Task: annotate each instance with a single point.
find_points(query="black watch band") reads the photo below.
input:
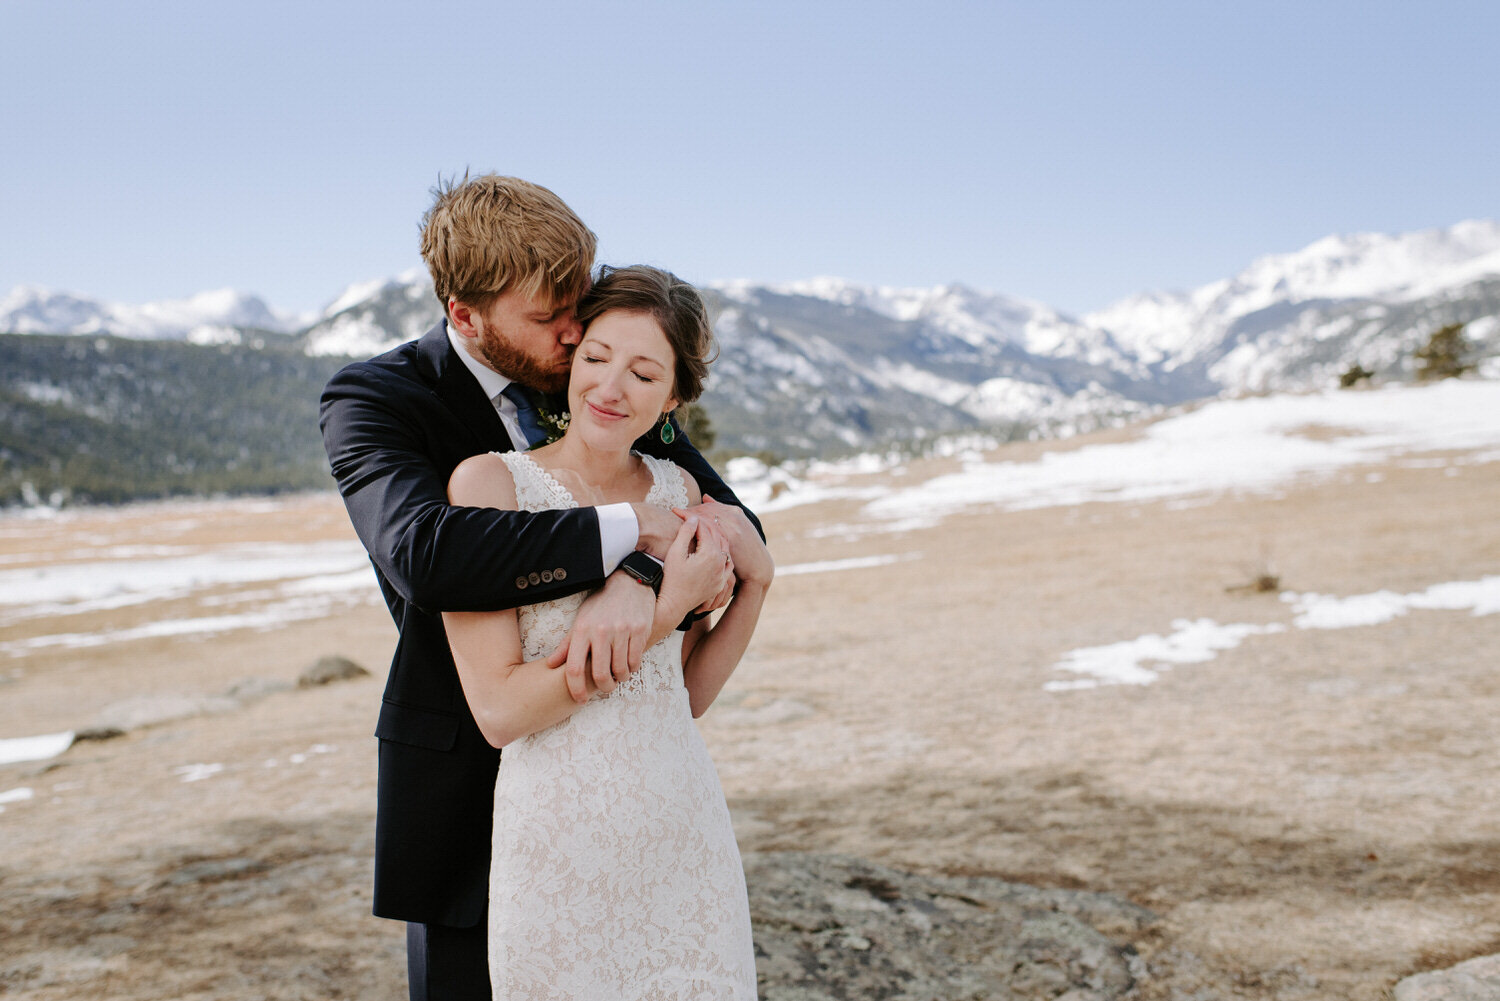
(645, 568)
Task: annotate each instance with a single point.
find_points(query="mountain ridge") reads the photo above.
(826, 363)
(210, 317)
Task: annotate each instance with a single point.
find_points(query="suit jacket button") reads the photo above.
(559, 574)
(546, 576)
(534, 577)
(521, 583)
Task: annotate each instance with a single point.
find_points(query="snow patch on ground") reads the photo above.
(1322, 611)
(48, 745)
(306, 581)
(1245, 445)
(853, 563)
(19, 795)
(73, 587)
(1196, 641)
(1193, 641)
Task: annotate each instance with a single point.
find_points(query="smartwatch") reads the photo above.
(645, 568)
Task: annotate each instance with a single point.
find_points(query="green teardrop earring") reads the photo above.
(667, 434)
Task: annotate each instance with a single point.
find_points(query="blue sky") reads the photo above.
(1064, 151)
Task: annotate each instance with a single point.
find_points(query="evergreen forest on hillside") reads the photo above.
(105, 420)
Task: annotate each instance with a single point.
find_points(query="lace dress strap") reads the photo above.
(668, 488)
(539, 490)
(536, 489)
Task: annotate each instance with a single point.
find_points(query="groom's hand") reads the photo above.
(609, 635)
(657, 526)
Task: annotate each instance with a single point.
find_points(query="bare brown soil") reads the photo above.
(1313, 812)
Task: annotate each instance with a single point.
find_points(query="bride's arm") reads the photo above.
(710, 654)
(509, 696)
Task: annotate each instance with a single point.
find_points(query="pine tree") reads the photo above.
(1355, 374)
(694, 420)
(1442, 357)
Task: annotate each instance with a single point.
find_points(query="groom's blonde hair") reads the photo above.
(487, 235)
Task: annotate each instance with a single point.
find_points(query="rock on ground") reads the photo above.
(153, 710)
(1473, 980)
(833, 927)
(330, 669)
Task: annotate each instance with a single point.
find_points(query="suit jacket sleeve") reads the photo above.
(392, 468)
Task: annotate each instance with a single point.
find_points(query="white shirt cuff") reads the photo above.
(618, 534)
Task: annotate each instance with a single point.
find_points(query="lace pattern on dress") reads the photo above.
(545, 625)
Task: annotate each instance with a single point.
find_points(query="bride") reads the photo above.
(614, 872)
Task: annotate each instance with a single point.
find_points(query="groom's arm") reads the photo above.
(437, 556)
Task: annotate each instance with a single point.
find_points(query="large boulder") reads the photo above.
(1473, 980)
(833, 927)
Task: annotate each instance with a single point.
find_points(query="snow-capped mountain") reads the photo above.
(973, 316)
(1173, 329)
(1287, 322)
(808, 364)
(218, 316)
(828, 363)
(370, 317)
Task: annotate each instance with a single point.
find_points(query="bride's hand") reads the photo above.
(698, 565)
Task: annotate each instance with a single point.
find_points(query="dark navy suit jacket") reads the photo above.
(394, 428)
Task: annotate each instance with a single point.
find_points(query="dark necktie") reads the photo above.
(527, 414)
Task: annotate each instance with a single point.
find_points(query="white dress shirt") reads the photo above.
(618, 530)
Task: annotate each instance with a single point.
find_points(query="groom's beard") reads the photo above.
(518, 366)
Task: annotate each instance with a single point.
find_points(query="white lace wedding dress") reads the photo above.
(614, 874)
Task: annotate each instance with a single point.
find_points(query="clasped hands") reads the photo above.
(708, 550)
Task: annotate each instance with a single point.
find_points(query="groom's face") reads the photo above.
(529, 340)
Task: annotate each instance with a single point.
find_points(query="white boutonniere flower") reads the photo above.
(554, 422)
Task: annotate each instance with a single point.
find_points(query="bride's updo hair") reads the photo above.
(675, 306)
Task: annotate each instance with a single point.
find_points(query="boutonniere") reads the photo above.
(553, 422)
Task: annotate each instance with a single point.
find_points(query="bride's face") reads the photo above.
(622, 379)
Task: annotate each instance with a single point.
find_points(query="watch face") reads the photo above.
(642, 567)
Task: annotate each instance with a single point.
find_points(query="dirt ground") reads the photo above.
(1313, 812)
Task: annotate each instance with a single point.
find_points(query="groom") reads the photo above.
(508, 261)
